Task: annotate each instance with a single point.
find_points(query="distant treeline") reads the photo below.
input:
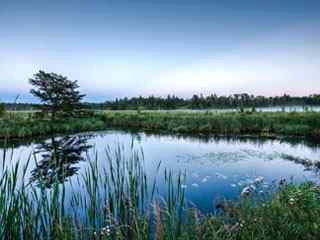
(211, 101)
(195, 102)
(21, 106)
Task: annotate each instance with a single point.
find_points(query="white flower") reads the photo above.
(258, 180)
(247, 191)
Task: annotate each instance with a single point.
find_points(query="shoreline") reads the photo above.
(301, 126)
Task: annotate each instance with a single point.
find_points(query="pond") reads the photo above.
(215, 168)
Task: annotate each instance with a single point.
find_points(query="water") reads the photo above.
(216, 168)
(258, 109)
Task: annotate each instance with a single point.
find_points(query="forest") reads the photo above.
(212, 101)
(201, 101)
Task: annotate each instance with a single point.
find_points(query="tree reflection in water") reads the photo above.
(59, 156)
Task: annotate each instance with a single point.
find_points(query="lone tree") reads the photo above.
(58, 94)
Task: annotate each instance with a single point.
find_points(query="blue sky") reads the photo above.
(128, 48)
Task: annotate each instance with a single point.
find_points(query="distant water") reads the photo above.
(258, 109)
(216, 168)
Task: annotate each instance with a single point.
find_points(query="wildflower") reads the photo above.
(247, 191)
(105, 231)
(242, 222)
(292, 201)
(258, 180)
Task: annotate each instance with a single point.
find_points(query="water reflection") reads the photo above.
(216, 167)
(58, 158)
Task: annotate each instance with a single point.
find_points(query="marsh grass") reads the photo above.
(272, 124)
(19, 126)
(117, 201)
(261, 124)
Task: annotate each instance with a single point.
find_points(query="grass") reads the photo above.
(24, 125)
(305, 124)
(116, 201)
(267, 125)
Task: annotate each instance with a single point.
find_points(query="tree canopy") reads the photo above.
(58, 94)
(243, 100)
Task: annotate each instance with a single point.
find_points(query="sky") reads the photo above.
(118, 48)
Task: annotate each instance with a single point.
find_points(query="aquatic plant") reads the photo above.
(117, 201)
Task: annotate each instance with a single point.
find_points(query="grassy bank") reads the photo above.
(304, 124)
(116, 202)
(26, 125)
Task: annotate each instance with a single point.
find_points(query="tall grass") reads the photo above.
(263, 124)
(271, 124)
(26, 125)
(115, 200)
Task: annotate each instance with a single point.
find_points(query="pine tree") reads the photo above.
(59, 95)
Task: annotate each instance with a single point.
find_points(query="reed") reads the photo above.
(117, 200)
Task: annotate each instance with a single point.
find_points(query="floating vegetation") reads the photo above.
(213, 157)
(204, 180)
(219, 175)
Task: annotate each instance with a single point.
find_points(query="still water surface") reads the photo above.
(295, 108)
(216, 168)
